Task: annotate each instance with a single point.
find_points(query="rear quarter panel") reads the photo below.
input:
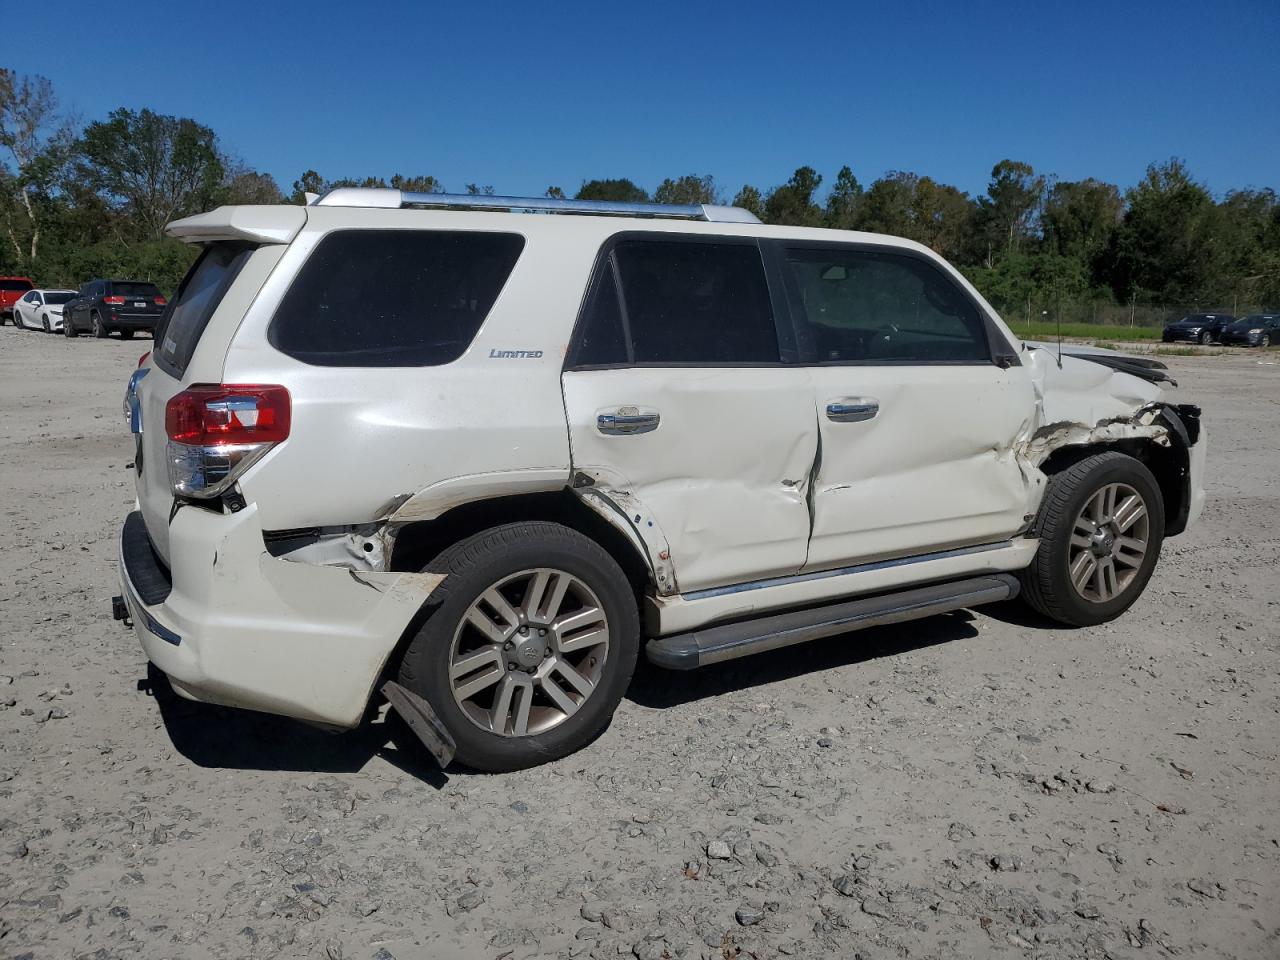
(365, 439)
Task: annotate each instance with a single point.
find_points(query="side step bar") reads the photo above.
(687, 651)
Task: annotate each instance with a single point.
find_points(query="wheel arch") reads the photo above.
(1169, 461)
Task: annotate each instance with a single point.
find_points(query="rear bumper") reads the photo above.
(134, 321)
(241, 628)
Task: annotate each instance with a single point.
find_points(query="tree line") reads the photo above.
(86, 200)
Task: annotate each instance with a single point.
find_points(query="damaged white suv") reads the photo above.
(470, 454)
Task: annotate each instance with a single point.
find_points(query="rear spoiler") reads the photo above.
(278, 223)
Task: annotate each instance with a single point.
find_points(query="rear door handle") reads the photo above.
(852, 409)
(626, 421)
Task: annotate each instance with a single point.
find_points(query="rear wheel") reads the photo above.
(1100, 525)
(99, 329)
(530, 647)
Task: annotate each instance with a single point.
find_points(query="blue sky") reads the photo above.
(525, 95)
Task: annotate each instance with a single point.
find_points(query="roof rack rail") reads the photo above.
(393, 199)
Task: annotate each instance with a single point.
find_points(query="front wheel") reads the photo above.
(69, 328)
(1265, 341)
(1206, 338)
(530, 647)
(99, 328)
(1100, 526)
(44, 322)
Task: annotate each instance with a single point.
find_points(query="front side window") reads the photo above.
(861, 306)
(392, 298)
(681, 301)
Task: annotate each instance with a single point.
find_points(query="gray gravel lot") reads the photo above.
(970, 785)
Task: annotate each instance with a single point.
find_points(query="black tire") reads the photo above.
(1206, 338)
(471, 567)
(44, 320)
(126, 334)
(1265, 341)
(99, 328)
(68, 328)
(1046, 585)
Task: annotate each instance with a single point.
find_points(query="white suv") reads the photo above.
(471, 453)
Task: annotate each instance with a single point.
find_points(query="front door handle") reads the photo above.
(626, 421)
(852, 409)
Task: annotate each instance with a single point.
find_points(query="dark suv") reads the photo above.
(106, 305)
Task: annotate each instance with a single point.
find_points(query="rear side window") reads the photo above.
(10, 284)
(679, 302)
(393, 298)
(133, 288)
(199, 294)
(859, 306)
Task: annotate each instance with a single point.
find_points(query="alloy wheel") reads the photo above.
(1108, 543)
(529, 652)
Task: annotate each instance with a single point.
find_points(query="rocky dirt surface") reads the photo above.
(970, 785)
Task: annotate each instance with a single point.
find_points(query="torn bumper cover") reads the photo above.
(242, 628)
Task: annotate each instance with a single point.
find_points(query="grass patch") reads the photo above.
(1038, 330)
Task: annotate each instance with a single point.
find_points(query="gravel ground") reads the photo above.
(970, 785)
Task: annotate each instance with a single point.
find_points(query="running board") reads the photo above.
(697, 648)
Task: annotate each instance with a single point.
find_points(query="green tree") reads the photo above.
(555, 193)
(749, 199)
(154, 167)
(35, 140)
(621, 190)
(795, 201)
(1007, 214)
(842, 203)
(689, 189)
(1169, 245)
(251, 187)
(1080, 218)
(425, 184)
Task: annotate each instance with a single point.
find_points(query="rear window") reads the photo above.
(56, 298)
(9, 284)
(132, 288)
(393, 298)
(199, 294)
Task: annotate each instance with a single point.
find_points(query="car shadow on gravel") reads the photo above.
(655, 687)
(219, 737)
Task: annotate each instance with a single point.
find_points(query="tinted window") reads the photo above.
(862, 306)
(55, 298)
(389, 298)
(10, 284)
(601, 337)
(134, 288)
(198, 295)
(686, 301)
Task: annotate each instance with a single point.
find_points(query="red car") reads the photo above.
(11, 290)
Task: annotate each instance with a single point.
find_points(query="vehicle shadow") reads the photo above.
(219, 737)
(658, 688)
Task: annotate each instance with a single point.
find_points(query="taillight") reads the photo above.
(217, 431)
(115, 300)
(143, 359)
(161, 301)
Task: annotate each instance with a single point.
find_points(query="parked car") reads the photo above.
(472, 459)
(1256, 330)
(41, 310)
(124, 306)
(1197, 327)
(11, 288)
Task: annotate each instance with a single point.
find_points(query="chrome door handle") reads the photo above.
(852, 409)
(626, 421)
